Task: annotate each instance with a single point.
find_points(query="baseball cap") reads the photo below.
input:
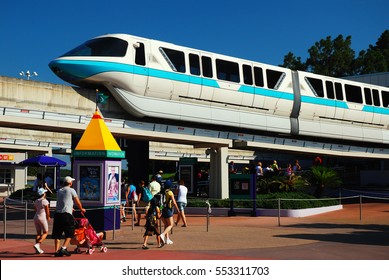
(68, 179)
(41, 191)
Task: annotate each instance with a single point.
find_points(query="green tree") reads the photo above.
(282, 183)
(376, 58)
(333, 58)
(336, 58)
(293, 62)
(322, 177)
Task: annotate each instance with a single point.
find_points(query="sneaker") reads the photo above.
(169, 242)
(37, 249)
(145, 247)
(161, 245)
(64, 252)
(162, 235)
(58, 254)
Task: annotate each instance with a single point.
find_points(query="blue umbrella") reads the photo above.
(44, 161)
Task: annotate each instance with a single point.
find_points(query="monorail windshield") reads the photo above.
(111, 47)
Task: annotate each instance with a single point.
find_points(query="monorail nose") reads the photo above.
(65, 71)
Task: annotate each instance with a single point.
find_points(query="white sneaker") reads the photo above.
(37, 248)
(162, 235)
(169, 242)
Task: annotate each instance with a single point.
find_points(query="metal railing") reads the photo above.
(18, 214)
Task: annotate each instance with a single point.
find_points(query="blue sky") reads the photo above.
(35, 32)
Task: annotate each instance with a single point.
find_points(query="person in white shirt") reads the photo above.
(182, 192)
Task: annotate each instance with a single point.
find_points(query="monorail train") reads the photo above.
(162, 80)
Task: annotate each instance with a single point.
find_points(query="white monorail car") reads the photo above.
(162, 80)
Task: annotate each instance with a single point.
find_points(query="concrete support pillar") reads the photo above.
(219, 182)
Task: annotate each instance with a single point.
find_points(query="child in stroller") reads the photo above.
(85, 236)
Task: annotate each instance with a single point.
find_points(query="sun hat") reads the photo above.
(68, 179)
(41, 191)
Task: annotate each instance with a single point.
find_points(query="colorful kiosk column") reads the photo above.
(97, 170)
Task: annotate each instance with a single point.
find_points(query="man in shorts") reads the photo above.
(63, 217)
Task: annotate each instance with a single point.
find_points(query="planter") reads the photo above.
(265, 212)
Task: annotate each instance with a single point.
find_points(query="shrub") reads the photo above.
(289, 200)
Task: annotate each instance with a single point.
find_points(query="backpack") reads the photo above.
(151, 217)
(146, 194)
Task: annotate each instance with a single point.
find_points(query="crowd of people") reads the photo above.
(270, 169)
(163, 202)
(154, 202)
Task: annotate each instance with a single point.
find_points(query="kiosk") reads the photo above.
(97, 169)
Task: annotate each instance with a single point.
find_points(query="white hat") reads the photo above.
(41, 191)
(68, 179)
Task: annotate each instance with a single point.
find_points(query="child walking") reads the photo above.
(41, 218)
(152, 216)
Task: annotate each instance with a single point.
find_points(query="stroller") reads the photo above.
(86, 237)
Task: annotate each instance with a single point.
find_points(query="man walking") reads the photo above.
(63, 217)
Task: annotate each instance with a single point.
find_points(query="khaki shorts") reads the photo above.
(143, 206)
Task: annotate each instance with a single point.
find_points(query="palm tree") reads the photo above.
(282, 183)
(323, 177)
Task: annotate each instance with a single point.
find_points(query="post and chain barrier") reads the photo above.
(23, 206)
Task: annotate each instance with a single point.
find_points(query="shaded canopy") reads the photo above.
(44, 161)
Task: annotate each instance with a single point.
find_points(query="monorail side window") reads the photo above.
(376, 97)
(316, 85)
(247, 74)
(385, 98)
(194, 64)
(339, 91)
(207, 66)
(330, 90)
(353, 93)
(258, 76)
(140, 56)
(368, 99)
(274, 78)
(227, 70)
(176, 59)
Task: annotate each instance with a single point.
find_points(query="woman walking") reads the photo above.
(167, 213)
(182, 192)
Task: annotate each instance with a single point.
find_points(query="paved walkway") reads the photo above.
(337, 235)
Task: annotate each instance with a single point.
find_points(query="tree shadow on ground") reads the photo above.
(371, 234)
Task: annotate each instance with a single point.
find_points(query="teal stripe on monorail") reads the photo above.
(377, 110)
(86, 68)
(266, 92)
(324, 101)
(174, 76)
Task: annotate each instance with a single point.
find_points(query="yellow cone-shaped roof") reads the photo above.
(97, 136)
